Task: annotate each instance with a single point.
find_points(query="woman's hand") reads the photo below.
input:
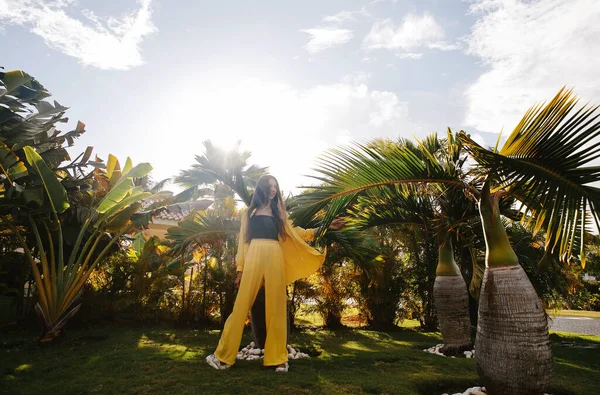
(238, 279)
(336, 224)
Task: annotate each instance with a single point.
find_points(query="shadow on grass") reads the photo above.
(150, 360)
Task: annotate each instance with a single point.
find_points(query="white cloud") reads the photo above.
(330, 33)
(345, 16)
(357, 78)
(415, 31)
(340, 17)
(110, 44)
(532, 49)
(326, 37)
(409, 55)
(284, 128)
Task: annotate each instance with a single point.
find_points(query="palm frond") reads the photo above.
(202, 228)
(546, 164)
(395, 206)
(346, 173)
(227, 167)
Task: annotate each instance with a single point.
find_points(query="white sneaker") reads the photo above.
(214, 362)
(283, 368)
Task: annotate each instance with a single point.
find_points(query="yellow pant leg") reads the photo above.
(231, 336)
(275, 311)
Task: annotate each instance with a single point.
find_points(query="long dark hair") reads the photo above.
(260, 198)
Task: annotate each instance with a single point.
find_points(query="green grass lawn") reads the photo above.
(351, 361)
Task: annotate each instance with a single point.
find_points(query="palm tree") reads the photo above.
(218, 167)
(545, 166)
(431, 209)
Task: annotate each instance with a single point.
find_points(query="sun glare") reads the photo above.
(280, 126)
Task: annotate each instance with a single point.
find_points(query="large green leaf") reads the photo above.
(120, 220)
(123, 187)
(10, 164)
(55, 191)
(115, 195)
(136, 194)
(12, 80)
(138, 171)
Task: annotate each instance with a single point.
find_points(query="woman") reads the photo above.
(274, 253)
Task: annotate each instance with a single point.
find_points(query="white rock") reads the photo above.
(289, 347)
(262, 351)
(292, 351)
(475, 389)
(255, 351)
(290, 356)
(252, 345)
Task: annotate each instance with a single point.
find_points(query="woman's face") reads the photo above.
(272, 189)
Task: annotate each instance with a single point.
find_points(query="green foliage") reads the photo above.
(59, 282)
(546, 164)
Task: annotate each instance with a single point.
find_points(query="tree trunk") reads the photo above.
(51, 331)
(333, 320)
(513, 350)
(452, 305)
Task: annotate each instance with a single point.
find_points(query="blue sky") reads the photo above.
(152, 79)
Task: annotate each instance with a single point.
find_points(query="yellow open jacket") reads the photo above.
(300, 259)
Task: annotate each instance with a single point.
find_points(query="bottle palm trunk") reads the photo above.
(514, 354)
(452, 304)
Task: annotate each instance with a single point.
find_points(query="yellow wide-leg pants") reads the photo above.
(264, 261)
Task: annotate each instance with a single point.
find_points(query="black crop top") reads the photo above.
(263, 227)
